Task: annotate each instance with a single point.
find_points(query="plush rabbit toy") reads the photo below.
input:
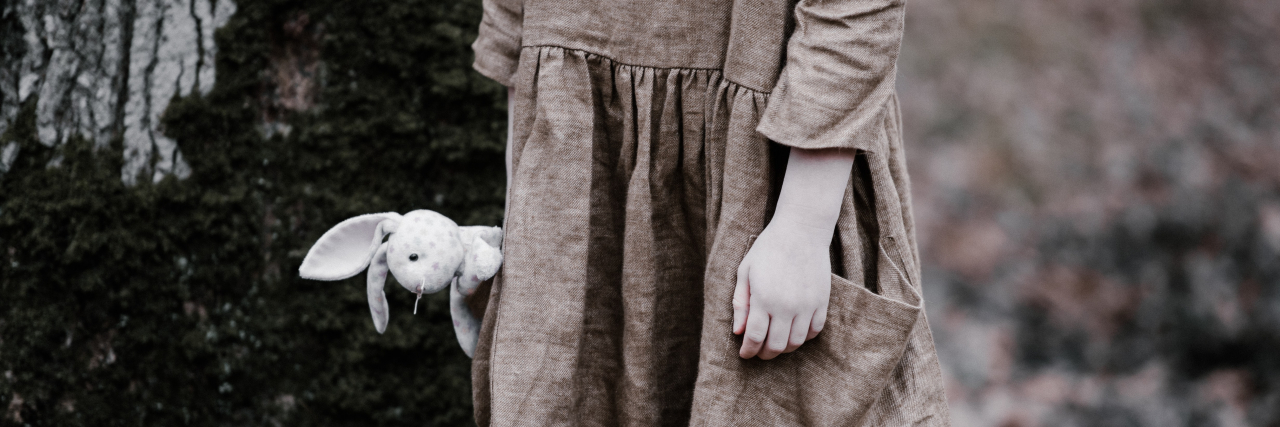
(426, 252)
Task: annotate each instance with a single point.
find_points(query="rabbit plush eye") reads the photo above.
(413, 257)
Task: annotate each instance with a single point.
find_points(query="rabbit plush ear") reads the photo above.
(479, 264)
(465, 325)
(346, 248)
(377, 298)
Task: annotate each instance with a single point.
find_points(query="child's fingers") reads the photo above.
(740, 297)
(756, 331)
(819, 320)
(779, 334)
(799, 333)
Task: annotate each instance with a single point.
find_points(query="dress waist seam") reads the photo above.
(719, 71)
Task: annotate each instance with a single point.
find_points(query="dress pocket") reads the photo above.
(851, 362)
(862, 322)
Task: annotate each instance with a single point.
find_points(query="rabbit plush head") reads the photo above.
(425, 251)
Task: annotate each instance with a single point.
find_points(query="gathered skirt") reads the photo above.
(635, 193)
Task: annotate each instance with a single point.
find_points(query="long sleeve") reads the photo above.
(498, 46)
(841, 65)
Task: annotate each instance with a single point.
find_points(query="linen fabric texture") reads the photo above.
(648, 146)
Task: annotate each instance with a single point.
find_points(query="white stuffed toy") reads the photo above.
(426, 252)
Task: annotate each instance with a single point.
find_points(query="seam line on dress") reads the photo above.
(615, 61)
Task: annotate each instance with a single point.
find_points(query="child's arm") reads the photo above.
(784, 282)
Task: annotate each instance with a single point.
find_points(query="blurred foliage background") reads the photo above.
(1096, 184)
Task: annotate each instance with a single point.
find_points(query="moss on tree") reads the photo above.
(178, 303)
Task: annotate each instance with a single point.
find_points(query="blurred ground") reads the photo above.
(1097, 185)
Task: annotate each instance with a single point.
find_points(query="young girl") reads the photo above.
(708, 218)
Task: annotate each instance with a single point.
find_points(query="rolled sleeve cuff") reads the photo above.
(497, 47)
(838, 82)
(811, 120)
(496, 60)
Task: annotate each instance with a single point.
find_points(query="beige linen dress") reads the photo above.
(649, 141)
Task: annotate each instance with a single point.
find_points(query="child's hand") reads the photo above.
(784, 286)
(784, 281)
